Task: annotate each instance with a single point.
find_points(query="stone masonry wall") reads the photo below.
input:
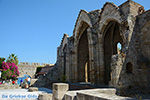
(26, 69)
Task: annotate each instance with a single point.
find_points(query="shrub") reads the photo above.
(64, 78)
(14, 70)
(9, 68)
(10, 71)
(6, 74)
(5, 66)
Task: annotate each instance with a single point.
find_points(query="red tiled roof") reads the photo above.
(41, 73)
(44, 70)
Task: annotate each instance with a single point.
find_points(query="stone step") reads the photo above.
(95, 94)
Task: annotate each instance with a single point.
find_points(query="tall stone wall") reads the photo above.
(134, 76)
(30, 68)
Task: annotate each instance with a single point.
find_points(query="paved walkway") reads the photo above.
(21, 94)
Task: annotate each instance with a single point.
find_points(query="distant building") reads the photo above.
(45, 70)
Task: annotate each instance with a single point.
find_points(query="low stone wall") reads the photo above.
(96, 95)
(60, 92)
(9, 86)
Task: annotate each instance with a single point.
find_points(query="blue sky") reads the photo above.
(33, 29)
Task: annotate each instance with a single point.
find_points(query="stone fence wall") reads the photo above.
(35, 64)
(27, 69)
(30, 68)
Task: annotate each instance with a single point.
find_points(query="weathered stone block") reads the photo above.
(33, 89)
(71, 95)
(33, 81)
(45, 96)
(59, 90)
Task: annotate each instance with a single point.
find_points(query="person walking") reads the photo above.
(29, 81)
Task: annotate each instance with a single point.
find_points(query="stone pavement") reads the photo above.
(22, 94)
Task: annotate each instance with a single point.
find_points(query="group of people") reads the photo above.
(25, 83)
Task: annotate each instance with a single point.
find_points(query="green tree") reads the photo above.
(12, 59)
(1, 60)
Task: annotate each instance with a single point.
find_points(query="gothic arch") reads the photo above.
(64, 40)
(110, 22)
(83, 31)
(83, 17)
(84, 53)
(110, 12)
(110, 37)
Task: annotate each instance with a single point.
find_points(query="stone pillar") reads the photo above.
(101, 59)
(67, 66)
(59, 90)
(76, 64)
(91, 56)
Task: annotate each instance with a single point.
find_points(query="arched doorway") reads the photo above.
(111, 39)
(83, 58)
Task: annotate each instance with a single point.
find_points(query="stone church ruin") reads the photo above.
(92, 54)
